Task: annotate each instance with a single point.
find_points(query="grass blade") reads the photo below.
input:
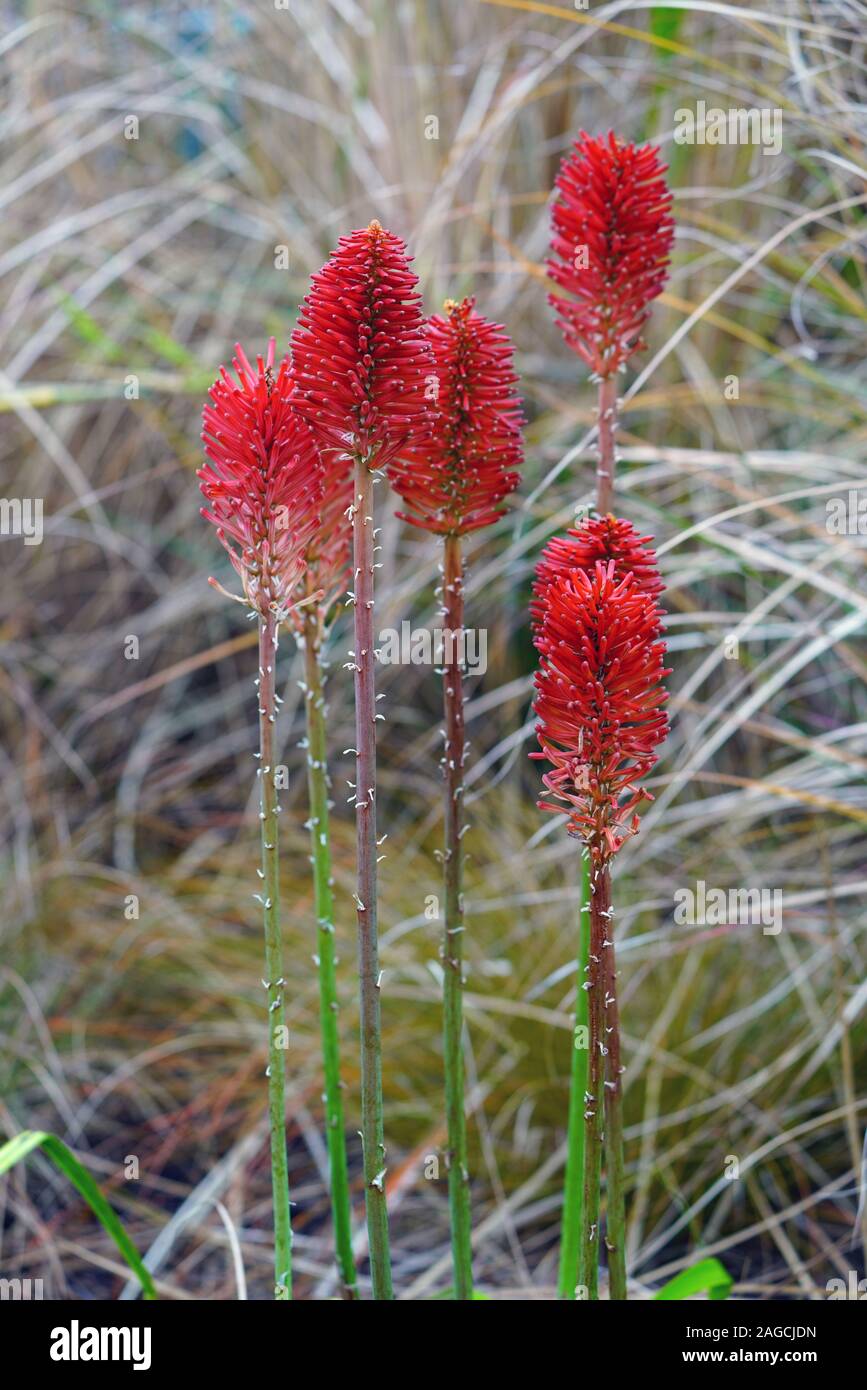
(708, 1276)
(23, 1144)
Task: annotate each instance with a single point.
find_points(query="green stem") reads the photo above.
(616, 1215)
(372, 1130)
(453, 928)
(600, 897)
(573, 1190)
(320, 842)
(270, 896)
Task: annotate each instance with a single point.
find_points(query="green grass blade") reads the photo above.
(665, 22)
(708, 1276)
(477, 1297)
(165, 346)
(18, 1148)
(88, 331)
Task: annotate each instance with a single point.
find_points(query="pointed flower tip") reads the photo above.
(460, 308)
(598, 539)
(360, 358)
(456, 475)
(611, 234)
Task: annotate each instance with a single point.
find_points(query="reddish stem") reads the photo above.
(607, 427)
(453, 931)
(373, 1137)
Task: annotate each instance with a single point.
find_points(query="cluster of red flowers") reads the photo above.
(368, 377)
(454, 477)
(598, 539)
(611, 236)
(360, 357)
(280, 443)
(595, 614)
(292, 453)
(599, 700)
(263, 480)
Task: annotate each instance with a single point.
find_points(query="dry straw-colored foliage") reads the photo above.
(139, 262)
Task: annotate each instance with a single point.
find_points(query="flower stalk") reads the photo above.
(320, 845)
(610, 540)
(453, 925)
(608, 1106)
(572, 1223)
(452, 482)
(594, 1110)
(611, 233)
(599, 703)
(270, 896)
(606, 433)
(372, 1126)
(359, 363)
(616, 1189)
(262, 483)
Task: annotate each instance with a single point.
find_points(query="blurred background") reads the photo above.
(171, 176)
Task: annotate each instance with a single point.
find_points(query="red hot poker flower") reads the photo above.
(263, 479)
(360, 360)
(360, 357)
(454, 478)
(452, 481)
(597, 539)
(599, 702)
(611, 234)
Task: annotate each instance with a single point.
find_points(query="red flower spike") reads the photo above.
(263, 480)
(597, 539)
(599, 702)
(611, 234)
(453, 480)
(360, 357)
